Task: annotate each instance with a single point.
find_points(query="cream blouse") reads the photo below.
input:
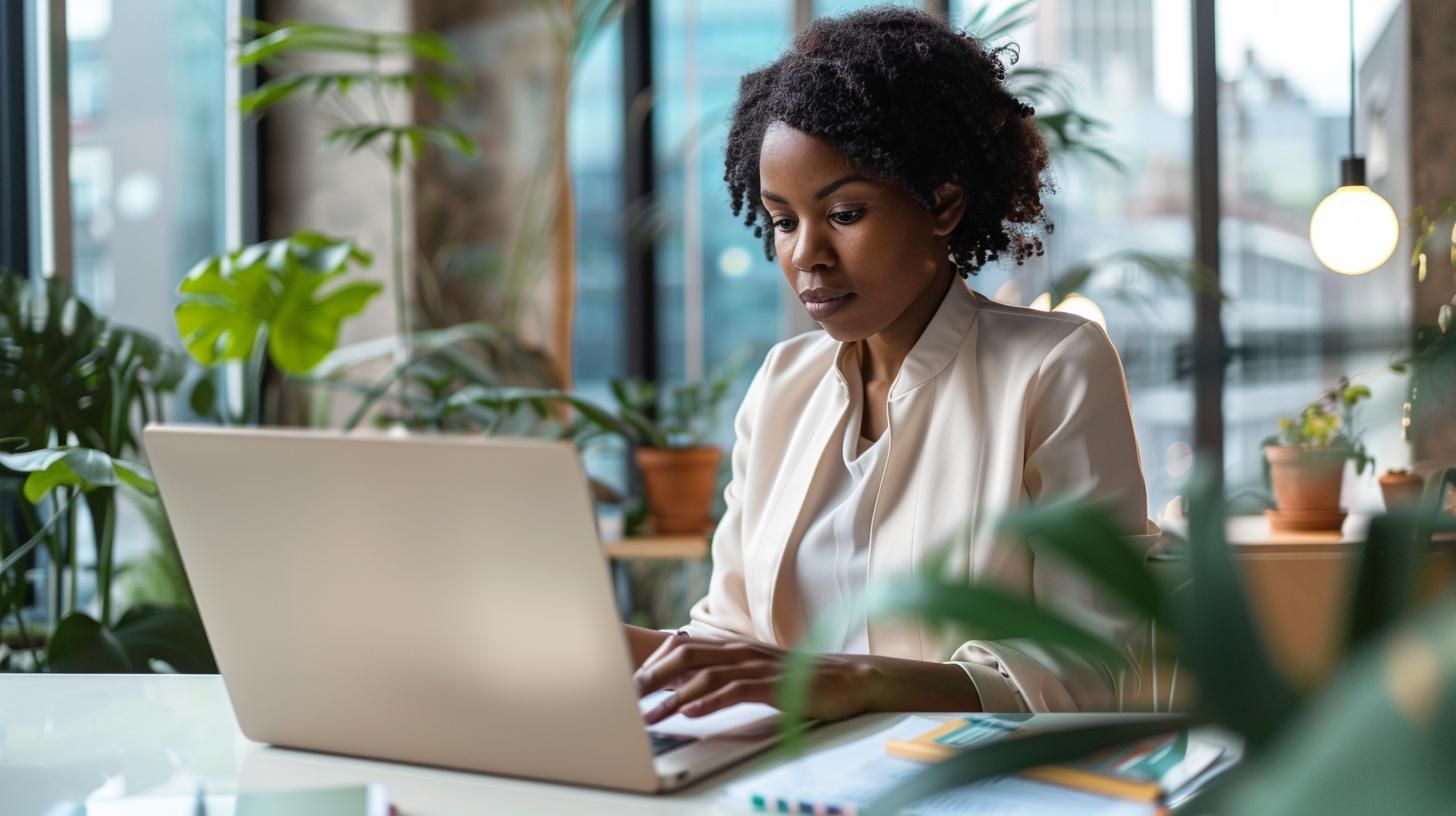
(831, 561)
(994, 406)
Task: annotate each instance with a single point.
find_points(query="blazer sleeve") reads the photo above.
(1079, 442)
(723, 612)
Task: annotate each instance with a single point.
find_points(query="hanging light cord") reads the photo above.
(1352, 77)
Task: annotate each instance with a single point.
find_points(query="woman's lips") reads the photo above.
(823, 309)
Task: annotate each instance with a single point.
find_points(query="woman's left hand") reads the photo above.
(708, 675)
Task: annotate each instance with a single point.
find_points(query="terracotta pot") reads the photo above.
(1401, 489)
(1306, 479)
(679, 484)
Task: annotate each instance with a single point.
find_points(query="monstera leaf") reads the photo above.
(145, 637)
(84, 468)
(286, 290)
(49, 355)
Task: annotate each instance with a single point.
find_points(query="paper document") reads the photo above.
(1014, 796)
(741, 720)
(846, 777)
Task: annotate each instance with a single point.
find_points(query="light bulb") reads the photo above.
(1354, 230)
(1074, 303)
(1082, 306)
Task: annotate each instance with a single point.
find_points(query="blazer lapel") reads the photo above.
(777, 611)
(897, 540)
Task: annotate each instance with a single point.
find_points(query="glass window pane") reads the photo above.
(827, 8)
(1284, 121)
(147, 119)
(1127, 62)
(717, 293)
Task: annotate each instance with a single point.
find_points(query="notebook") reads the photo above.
(1151, 770)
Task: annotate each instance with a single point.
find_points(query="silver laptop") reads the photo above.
(426, 599)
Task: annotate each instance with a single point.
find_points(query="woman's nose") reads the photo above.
(811, 249)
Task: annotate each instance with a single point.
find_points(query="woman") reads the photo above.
(883, 160)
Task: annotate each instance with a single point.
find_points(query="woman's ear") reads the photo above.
(949, 204)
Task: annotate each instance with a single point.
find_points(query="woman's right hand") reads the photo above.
(643, 642)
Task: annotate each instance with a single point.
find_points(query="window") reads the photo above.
(717, 294)
(147, 119)
(1296, 327)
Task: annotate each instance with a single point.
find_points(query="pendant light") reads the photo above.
(1353, 230)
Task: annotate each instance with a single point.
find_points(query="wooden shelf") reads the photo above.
(662, 548)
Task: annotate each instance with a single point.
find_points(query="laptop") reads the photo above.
(426, 599)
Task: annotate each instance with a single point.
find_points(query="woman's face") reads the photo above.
(857, 252)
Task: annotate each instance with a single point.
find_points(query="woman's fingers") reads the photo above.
(759, 690)
(707, 682)
(668, 643)
(686, 657)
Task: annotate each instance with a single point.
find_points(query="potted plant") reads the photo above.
(1307, 460)
(1400, 488)
(77, 391)
(669, 428)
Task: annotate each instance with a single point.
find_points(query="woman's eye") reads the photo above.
(847, 216)
(783, 224)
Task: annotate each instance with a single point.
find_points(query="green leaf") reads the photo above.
(203, 399)
(270, 94)
(136, 475)
(312, 38)
(14, 556)
(1218, 642)
(223, 308)
(443, 90)
(356, 137)
(396, 152)
(1391, 562)
(431, 46)
(82, 468)
(173, 635)
(446, 136)
(306, 328)
(985, 613)
(1021, 753)
(82, 645)
(273, 286)
(1378, 740)
(1085, 537)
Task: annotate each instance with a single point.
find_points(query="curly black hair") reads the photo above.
(910, 101)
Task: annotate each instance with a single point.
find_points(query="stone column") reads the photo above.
(1432, 156)
(496, 240)
(486, 238)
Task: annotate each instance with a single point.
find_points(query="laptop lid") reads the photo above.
(427, 599)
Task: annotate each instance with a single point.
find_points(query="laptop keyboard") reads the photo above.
(662, 743)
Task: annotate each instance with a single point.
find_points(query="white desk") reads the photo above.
(68, 737)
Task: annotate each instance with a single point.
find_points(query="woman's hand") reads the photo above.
(708, 675)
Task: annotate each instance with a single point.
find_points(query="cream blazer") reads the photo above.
(994, 406)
